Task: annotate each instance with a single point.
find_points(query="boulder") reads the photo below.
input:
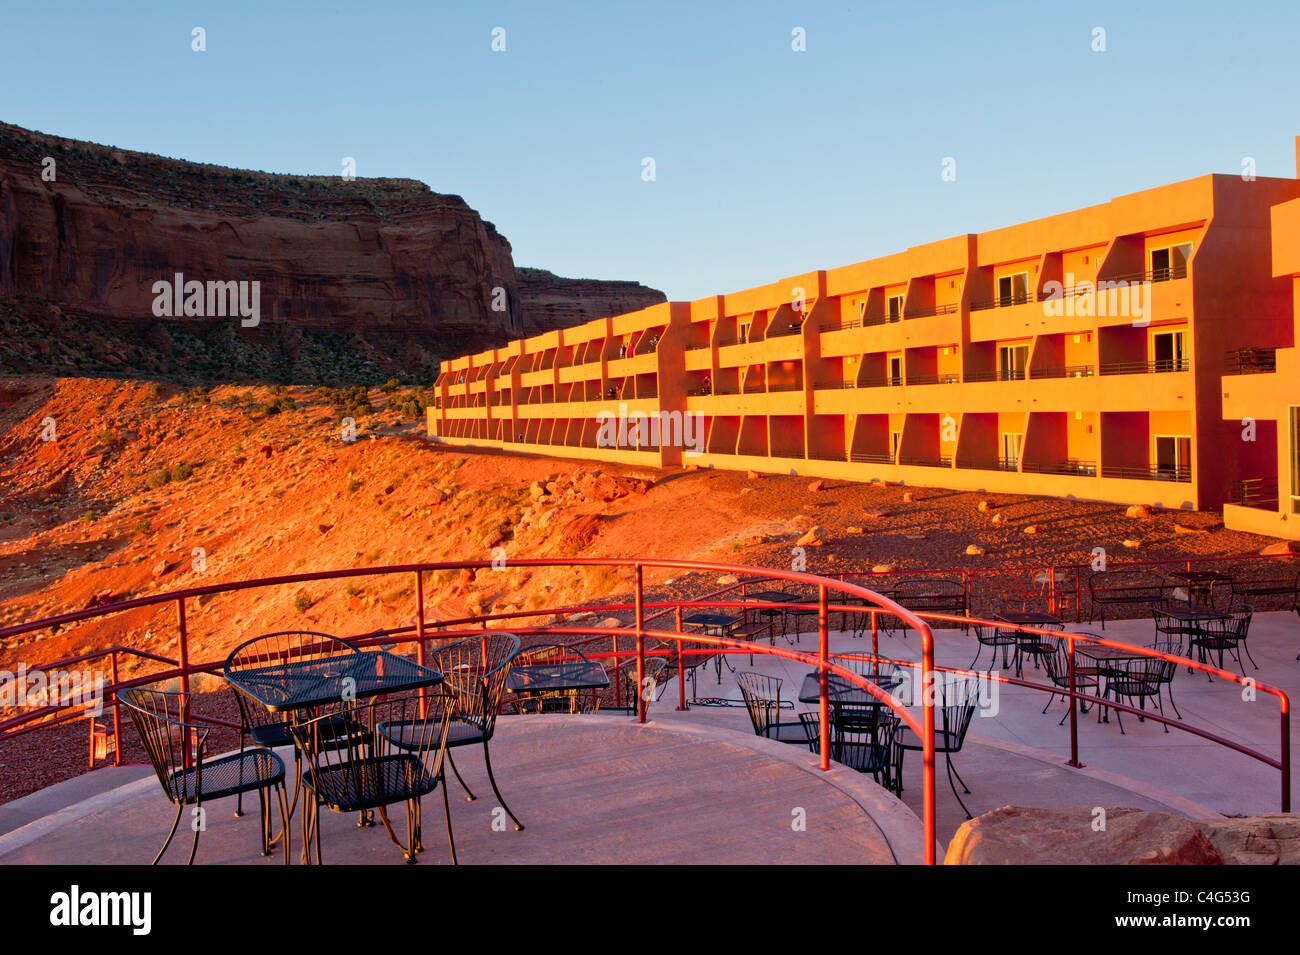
(998, 518)
(882, 569)
(854, 531)
(727, 579)
(1015, 835)
(1029, 529)
(1281, 548)
(753, 475)
(907, 497)
(814, 536)
(1184, 529)
(975, 550)
(1131, 544)
(984, 506)
(160, 568)
(816, 485)
(536, 490)
(1137, 510)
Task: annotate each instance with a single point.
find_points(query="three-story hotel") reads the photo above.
(1138, 351)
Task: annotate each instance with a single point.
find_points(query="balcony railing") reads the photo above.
(1144, 367)
(752, 451)
(838, 326)
(1155, 275)
(1062, 371)
(926, 460)
(792, 329)
(995, 375)
(1251, 361)
(1181, 475)
(988, 464)
(931, 311)
(867, 457)
(785, 386)
(1072, 466)
(1255, 492)
(934, 379)
(834, 385)
(1002, 301)
(697, 346)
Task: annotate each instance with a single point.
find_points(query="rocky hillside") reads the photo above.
(86, 231)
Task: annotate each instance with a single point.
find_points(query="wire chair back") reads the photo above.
(762, 695)
(474, 672)
(173, 745)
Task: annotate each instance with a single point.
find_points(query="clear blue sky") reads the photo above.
(769, 162)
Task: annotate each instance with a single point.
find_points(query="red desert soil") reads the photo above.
(85, 517)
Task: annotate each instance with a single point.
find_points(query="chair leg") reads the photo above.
(948, 758)
(953, 785)
(175, 822)
(978, 651)
(446, 809)
(469, 795)
(1246, 647)
(487, 759)
(283, 797)
(194, 847)
(239, 800)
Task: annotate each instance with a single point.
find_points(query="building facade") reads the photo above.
(1081, 355)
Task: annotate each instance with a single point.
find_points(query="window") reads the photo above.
(1012, 362)
(1169, 351)
(1013, 289)
(896, 308)
(1173, 457)
(895, 369)
(1011, 442)
(1295, 459)
(895, 441)
(1171, 262)
(744, 331)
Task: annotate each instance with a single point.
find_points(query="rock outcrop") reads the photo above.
(86, 231)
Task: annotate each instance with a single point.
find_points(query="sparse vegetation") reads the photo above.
(302, 600)
(181, 472)
(391, 385)
(89, 517)
(278, 404)
(198, 395)
(142, 527)
(351, 402)
(353, 486)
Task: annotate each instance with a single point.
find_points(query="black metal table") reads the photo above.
(1103, 660)
(774, 597)
(840, 691)
(1030, 641)
(719, 624)
(570, 677)
(1201, 583)
(305, 684)
(291, 687)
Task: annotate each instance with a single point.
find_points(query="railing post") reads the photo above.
(681, 669)
(1074, 705)
(875, 633)
(823, 703)
(117, 719)
(185, 651)
(640, 648)
(1286, 754)
(927, 742)
(419, 632)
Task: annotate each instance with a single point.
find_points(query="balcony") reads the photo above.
(1072, 466)
(1145, 367)
(932, 311)
(1181, 475)
(1062, 371)
(988, 464)
(785, 386)
(1002, 301)
(1259, 493)
(996, 375)
(948, 379)
(1251, 361)
(926, 460)
(858, 457)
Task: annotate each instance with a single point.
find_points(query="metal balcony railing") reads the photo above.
(995, 375)
(1145, 367)
(988, 464)
(1062, 371)
(926, 460)
(785, 386)
(931, 311)
(1071, 466)
(1155, 275)
(1255, 492)
(1002, 301)
(867, 457)
(1251, 361)
(946, 379)
(1181, 475)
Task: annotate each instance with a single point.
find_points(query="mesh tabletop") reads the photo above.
(841, 691)
(547, 677)
(1192, 614)
(283, 687)
(710, 620)
(1027, 617)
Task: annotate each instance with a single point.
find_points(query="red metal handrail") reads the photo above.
(925, 730)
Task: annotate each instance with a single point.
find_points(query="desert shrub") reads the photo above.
(279, 403)
(302, 600)
(181, 472)
(158, 478)
(89, 517)
(6, 515)
(142, 527)
(353, 486)
(198, 395)
(391, 385)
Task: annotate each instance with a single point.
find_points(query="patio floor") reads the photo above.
(588, 789)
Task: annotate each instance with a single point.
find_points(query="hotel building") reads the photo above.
(1093, 354)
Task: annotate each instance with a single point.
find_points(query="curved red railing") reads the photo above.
(730, 596)
(184, 668)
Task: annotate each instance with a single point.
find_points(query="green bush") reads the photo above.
(181, 472)
(302, 601)
(196, 395)
(391, 385)
(158, 478)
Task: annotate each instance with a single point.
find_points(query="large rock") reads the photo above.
(1256, 840)
(1015, 835)
(380, 257)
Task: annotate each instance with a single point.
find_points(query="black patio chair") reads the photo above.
(264, 729)
(1217, 635)
(1109, 588)
(954, 701)
(1142, 679)
(656, 676)
(762, 696)
(474, 672)
(1057, 665)
(188, 777)
(552, 701)
(866, 746)
(993, 637)
(399, 761)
